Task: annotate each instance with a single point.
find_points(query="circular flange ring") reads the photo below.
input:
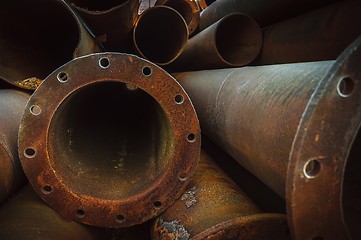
(41, 165)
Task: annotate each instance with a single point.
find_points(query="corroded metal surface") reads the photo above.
(26, 217)
(265, 12)
(12, 105)
(189, 10)
(109, 140)
(39, 41)
(111, 21)
(319, 35)
(284, 124)
(160, 34)
(233, 41)
(214, 207)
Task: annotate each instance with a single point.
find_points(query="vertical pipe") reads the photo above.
(160, 34)
(233, 41)
(315, 36)
(111, 21)
(39, 40)
(214, 206)
(12, 105)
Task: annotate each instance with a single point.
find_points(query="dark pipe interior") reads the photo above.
(42, 37)
(351, 196)
(96, 5)
(109, 141)
(183, 8)
(160, 34)
(237, 39)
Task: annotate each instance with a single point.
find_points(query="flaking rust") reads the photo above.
(172, 230)
(189, 197)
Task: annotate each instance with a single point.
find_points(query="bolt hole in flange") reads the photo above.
(104, 62)
(30, 152)
(62, 77)
(80, 213)
(179, 99)
(345, 87)
(157, 204)
(183, 176)
(120, 218)
(147, 71)
(47, 189)
(191, 137)
(312, 168)
(35, 110)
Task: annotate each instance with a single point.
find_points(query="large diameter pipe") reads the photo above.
(26, 217)
(111, 21)
(284, 124)
(12, 105)
(160, 34)
(109, 140)
(189, 10)
(233, 41)
(319, 35)
(213, 206)
(263, 11)
(40, 40)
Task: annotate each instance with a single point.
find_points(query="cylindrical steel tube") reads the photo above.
(111, 21)
(233, 41)
(43, 36)
(265, 12)
(12, 105)
(160, 34)
(189, 10)
(26, 217)
(280, 122)
(216, 206)
(109, 140)
(319, 35)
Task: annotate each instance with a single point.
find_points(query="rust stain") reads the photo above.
(189, 197)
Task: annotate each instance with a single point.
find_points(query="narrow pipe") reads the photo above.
(189, 10)
(109, 140)
(40, 40)
(233, 41)
(265, 12)
(12, 105)
(216, 206)
(26, 217)
(283, 123)
(160, 34)
(111, 21)
(315, 36)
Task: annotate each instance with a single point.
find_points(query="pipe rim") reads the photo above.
(104, 212)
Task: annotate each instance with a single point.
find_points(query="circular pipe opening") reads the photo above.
(238, 39)
(108, 142)
(160, 34)
(97, 5)
(183, 8)
(351, 190)
(39, 41)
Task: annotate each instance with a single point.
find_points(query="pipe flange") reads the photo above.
(109, 140)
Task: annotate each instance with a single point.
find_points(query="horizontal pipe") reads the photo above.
(263, 11)
(12, 105)
(215, 206)
(279, 122)
(315, 36)
(114, 148)
(26, 217)
(111, 21)
(233, 41)
(160, 34)
(40, 40)
(189, 10)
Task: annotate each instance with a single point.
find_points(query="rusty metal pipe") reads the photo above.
(319, 35)
(40, 40)
(109, 140)
(189, 10)
(111, 21)
(283, 123)
(26, 217)
(263, 11)
(214, 207)
(12, 105)
(160, 34)
(233, 41)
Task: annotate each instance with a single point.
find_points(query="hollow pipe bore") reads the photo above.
(113, 142)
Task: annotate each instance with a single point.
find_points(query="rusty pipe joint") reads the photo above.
(109, 140)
